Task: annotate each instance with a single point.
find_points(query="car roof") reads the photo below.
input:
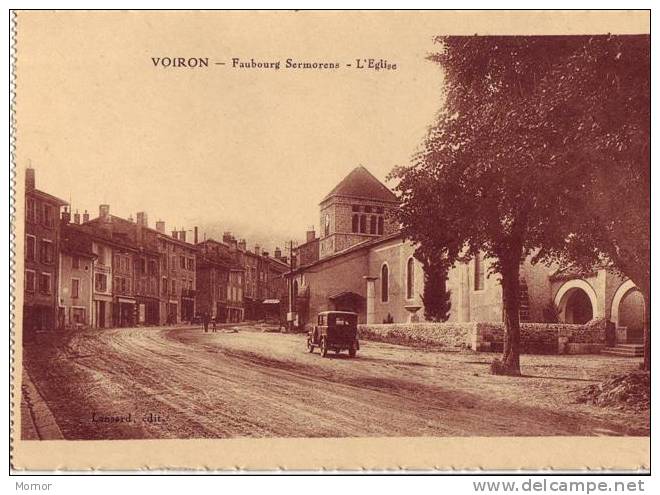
(337, 313)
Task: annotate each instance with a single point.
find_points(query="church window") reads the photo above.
(326, 228)
(380, 225)
(479, 273)
(410, 279)
(384, 283)
(372, 227)
(363, 224)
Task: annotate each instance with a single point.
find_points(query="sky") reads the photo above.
(251, 151)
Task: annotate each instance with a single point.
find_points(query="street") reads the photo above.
(242, 382)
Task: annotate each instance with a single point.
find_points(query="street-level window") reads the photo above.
(384, 283)
(47, 252)
(479, 273)
(30, 280)
(78, 315)
(44, 283)
(410, 279)
(75, 288)
(30, 247)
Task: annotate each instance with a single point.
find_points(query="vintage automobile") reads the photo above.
(335, 330)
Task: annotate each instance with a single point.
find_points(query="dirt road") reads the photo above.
(183, 383)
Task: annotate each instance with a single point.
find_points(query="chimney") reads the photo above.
(232, 245)
(30, 181)
(278, 253)
(182, 235)
(142, 220)
(257, 249)
(66, 215)
(265, 254)
(242, 245)
(86, 217)
(311, 235)
(227, 237)
(175, 234)
(76, 218)
(104, 213)
(160, 226)
(196, 234)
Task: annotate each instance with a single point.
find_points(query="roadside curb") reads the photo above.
(37, 412)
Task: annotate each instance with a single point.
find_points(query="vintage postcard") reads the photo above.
(331, 240)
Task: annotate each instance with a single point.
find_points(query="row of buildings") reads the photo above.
(109, 271)
(361, 262)
(114, 272)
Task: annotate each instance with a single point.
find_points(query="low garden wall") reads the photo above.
(535, 338)
(451, 336)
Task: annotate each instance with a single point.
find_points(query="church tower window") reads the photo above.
(363, 224)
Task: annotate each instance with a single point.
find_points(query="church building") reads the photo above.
(361, 262)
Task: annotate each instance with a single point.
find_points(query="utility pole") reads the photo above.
(290, 313)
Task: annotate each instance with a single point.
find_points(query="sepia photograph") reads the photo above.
(331, 226)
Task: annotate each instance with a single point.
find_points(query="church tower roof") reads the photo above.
(360, 183)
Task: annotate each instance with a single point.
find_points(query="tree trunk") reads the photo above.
(511, 308)
(646, 366)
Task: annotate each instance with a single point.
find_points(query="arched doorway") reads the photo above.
(577, 308)
(577, 303)
(628, 312)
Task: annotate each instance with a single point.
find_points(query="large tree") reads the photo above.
(597, 105)
(494, 174)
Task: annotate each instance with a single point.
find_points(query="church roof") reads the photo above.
(360, 183)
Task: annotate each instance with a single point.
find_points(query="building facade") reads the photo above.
(371, 270)
(76, 276)
(42, 251)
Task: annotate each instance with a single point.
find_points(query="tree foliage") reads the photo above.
(508, 166)
(436, 297)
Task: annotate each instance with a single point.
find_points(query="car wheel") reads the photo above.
(324, 347)
(310, 347)
(352, 351)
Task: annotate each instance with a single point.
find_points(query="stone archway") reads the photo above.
(628, 310)
(577, 302)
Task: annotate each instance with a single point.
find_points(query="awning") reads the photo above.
(126, 300)
(271, 301)
(346, 294)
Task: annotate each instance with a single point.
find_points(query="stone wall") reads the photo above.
(452, 336)
(541, 338)
(535, 338)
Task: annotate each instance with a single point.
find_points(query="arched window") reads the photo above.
(479, 273)
(410, 279)
(372, 226)
(384, 283)
(380, 225)
(363, 224)
(356, 223)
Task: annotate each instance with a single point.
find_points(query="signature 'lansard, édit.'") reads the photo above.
(375, 64)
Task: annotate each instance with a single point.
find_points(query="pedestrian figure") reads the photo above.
(213, 323)
(205, 320)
